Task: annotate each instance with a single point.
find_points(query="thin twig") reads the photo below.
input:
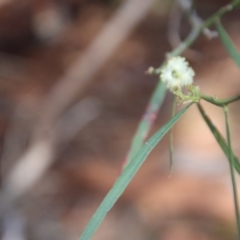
(219, 102)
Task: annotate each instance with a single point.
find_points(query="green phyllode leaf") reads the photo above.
(127, 175)
(222, 143)
(231, 163)
(228, 43)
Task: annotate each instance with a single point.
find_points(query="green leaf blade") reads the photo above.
(218, 136)
(126, 176)
(228, 43)
(231, 163)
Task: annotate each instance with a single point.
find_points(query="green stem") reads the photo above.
(219, 102)
(146, 122)
(218, 136)
(231, 161)
(196, 31)
(171, 138)
(228, 8)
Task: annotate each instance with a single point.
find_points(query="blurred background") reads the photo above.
(72, 91)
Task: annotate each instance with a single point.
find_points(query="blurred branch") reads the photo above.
(40, 154)
(15, 138)
(176, 14)
(174, 24)
(194, 19)
(14, 226)
(78, 76)
(2, 2)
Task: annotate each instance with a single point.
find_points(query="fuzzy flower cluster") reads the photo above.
(177, 73)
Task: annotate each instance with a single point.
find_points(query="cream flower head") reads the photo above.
(177, 73)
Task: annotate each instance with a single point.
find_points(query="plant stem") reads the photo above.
(146, 122)
(219, 138)
(227, 8)
(197, 30)
(231, 161)
(171, 138)
(219, 102)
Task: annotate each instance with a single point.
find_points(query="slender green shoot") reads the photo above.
(231, 163)
(219, 102)
(146, 122)
(222, 11)
(219, 138)
(171, 138)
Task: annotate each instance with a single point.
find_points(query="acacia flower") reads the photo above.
(177, 73)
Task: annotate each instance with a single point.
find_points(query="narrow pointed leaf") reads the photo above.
(232, 172)
(228, 43)
(221, 141)
(126, 176)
